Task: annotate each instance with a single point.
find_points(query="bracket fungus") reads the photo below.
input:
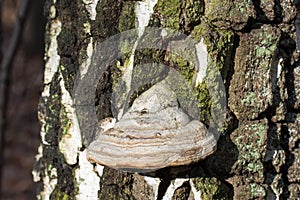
(154, 133)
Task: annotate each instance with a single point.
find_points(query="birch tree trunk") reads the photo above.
(251, 43)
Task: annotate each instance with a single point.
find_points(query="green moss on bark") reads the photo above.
(209, 187)
(179, 15)
(127, 17)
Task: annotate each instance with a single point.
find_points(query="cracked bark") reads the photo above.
(253, 45)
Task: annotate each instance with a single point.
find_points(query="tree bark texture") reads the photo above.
(252, 43)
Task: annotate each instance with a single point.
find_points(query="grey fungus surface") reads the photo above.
(153, 134)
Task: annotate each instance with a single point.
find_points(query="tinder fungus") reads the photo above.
(153, 134)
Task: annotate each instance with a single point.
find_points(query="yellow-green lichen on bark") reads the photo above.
(204, 101)
(59, 195)
(54, 127)
(243, 38)
(170, 11)
(179, 15)
(219, 44)
(193, 11)
(57, 122)
(127, 19)
(65, 122)
(209, 188)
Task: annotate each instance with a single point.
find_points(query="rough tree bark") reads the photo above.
(252, 43)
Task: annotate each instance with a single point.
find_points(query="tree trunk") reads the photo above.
(250, 43)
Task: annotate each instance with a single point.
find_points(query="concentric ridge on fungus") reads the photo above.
(155, 133)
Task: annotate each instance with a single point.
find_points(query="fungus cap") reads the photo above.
(154, 133)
